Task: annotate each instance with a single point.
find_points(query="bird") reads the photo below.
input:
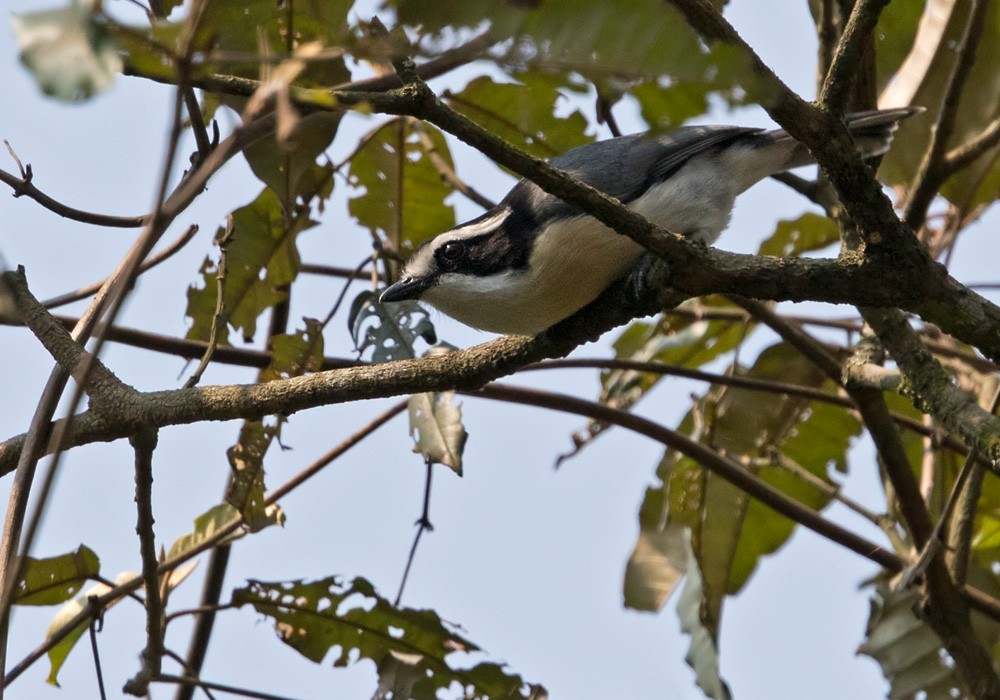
(533, 260)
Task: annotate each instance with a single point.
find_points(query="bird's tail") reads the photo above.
(872, 131)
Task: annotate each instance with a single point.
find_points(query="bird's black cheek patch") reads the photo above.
(507, 248)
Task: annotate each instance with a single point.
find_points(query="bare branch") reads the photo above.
(144, 443)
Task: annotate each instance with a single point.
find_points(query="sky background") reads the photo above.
(527, 559)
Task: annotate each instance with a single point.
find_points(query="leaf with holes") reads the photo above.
(402, 197)
(246, 489)
(388, 330)
(523, 114)
(56, 579)
(807, 233)
(412, 649)
(436, 422)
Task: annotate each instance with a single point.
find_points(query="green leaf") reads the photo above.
(246, 490)
(56, 579)
(410, 647)
(390, 330)
(403, 197)
(436, 422)
(659, 559)
(60, 650)
(908, 651)
(267, 28)
(730, 532)
(628, 38)
(283, 166)
(793, 237)
(923, 82)
(682, 342)
(67, 51)
(262, 260)
(524, 114)
(295, 354)
(205, 526)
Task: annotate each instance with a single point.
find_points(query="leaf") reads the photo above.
(205, 526)
(56, 579)
(908, 651)
(633, 38)
(67, 51)
(924, 82)
(268, 29)
(703, 654)
(524, 114)
(390, 330)
(282, 165)
(807, 233)
(262, 260)
(60, 650)
(246, 490)
(294, 354)
(403, 196)
(410, 647)
(682, 342)
(436, 421)
(729, 531)
(659, 559)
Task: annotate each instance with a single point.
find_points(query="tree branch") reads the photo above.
(144, 443)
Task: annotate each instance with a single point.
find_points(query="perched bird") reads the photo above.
(533, 260)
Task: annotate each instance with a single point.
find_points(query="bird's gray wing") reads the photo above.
(623, 167)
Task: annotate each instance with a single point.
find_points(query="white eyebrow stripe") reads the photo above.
(476, 228)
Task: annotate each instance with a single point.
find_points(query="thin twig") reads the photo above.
(218, 316)
(93, 629)
(965, 155)
(423, 523)
(232, 689)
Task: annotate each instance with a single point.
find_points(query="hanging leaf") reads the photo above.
(703, 654)
(730, 531)
(56, 579)
(61, 649)
(436, 422)
(412, 649)
(67, 51)
(389, 330)
(908, 651)
(246, 490)
(659, 559)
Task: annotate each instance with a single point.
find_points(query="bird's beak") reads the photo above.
(406, 288)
